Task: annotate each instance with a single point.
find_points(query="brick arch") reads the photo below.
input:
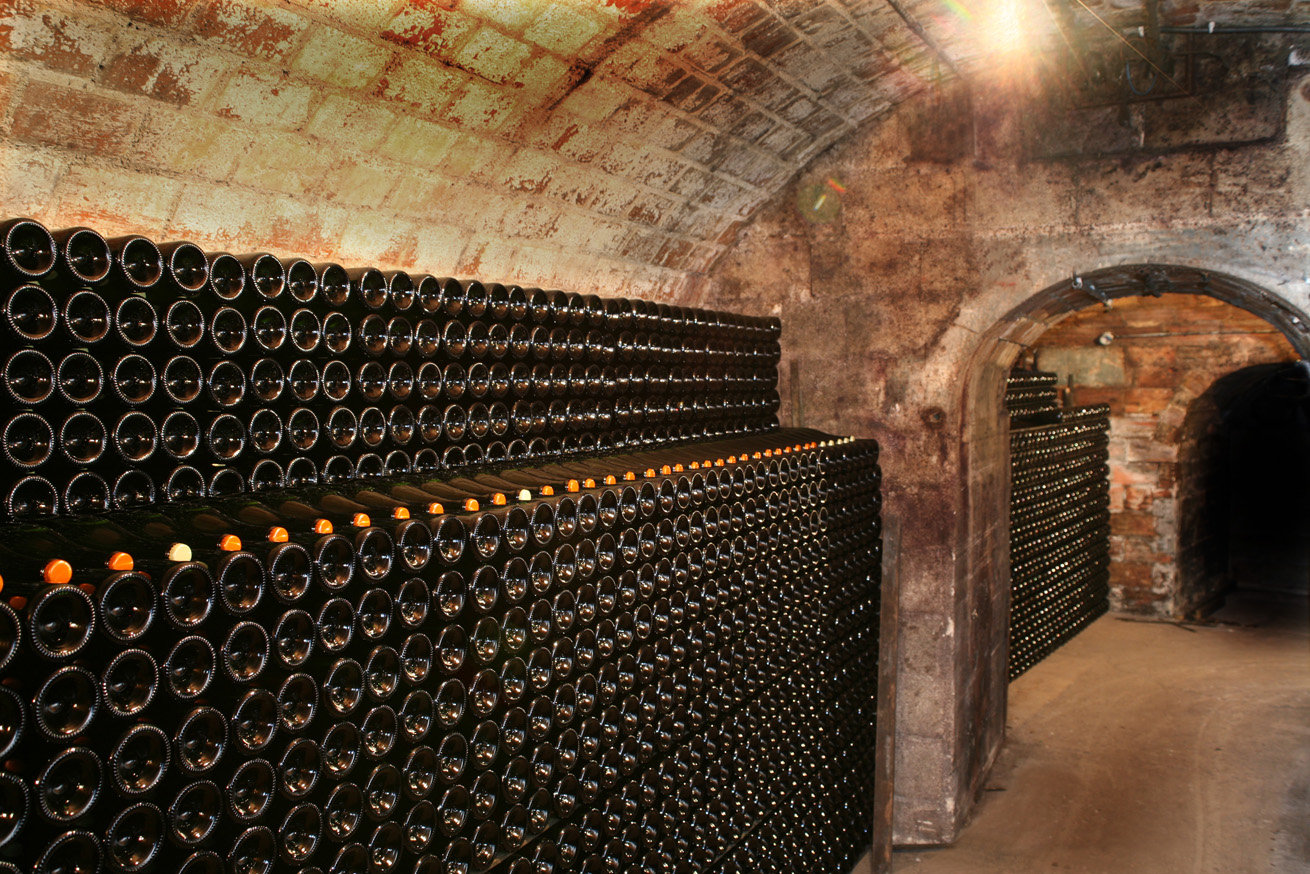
(1051, 304)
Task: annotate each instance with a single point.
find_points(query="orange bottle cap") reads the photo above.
(732, 459)
(695, 465)
(322, 526)
(361, 520)
(572, 486)
(678, 468)
(707, 463)
(229, 543)
(18, 602)
(499, 499)
(629, 476)
(588, 483)
(2, 584)
(756, 456)
(650, 473)
(435, 509)
(278, 534)
(178, 552)
(120, 561)
(88, 588)
(400, 513)
(57, 572)
(471, 505)
(611, 480)
(719, 462)
(768, 453)
(547, 491)
(666, 470)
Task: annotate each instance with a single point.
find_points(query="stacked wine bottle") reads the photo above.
(140, 372)
(1032, 398)
(653, 662)
(312, 569)
(1059, 523)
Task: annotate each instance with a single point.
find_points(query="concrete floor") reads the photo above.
(1148, 748)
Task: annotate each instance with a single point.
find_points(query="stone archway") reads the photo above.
(982, 531)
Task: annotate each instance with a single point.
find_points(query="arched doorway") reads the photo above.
(1158, 365)
(982, 532)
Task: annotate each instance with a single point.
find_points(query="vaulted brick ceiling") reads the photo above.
(615, 146)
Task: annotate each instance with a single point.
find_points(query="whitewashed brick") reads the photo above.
(341, 59)
(560, 30)
(266, 99)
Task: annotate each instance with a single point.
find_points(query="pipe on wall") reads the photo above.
(1264, 28)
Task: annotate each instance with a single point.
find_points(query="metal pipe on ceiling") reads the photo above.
(924, 37)
(1254, 28)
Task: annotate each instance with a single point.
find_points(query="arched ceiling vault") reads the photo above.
(617, 146)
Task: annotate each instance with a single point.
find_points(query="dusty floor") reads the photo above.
(1145, 748)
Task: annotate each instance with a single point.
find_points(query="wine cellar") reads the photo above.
(653, 436)
(532, 617)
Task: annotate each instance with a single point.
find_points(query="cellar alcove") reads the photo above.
(1207, 462)
(982, 570)
(1255, 512)
(1166, 367)
(1132, 691)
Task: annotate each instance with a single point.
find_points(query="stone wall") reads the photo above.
(1155, 372)
(903, 299)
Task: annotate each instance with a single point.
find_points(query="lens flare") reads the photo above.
(1004, 28)
(959, 9)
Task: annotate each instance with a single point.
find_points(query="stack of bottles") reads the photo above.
(1059, 527)
(649, 670)
(137, 372)
(1031, 398)
(586, 644)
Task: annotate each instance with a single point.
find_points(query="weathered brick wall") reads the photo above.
(889, 289)
(611, 146)
(1166, 355)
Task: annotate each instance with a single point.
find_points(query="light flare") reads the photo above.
(959, 9)
(1004, 29)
